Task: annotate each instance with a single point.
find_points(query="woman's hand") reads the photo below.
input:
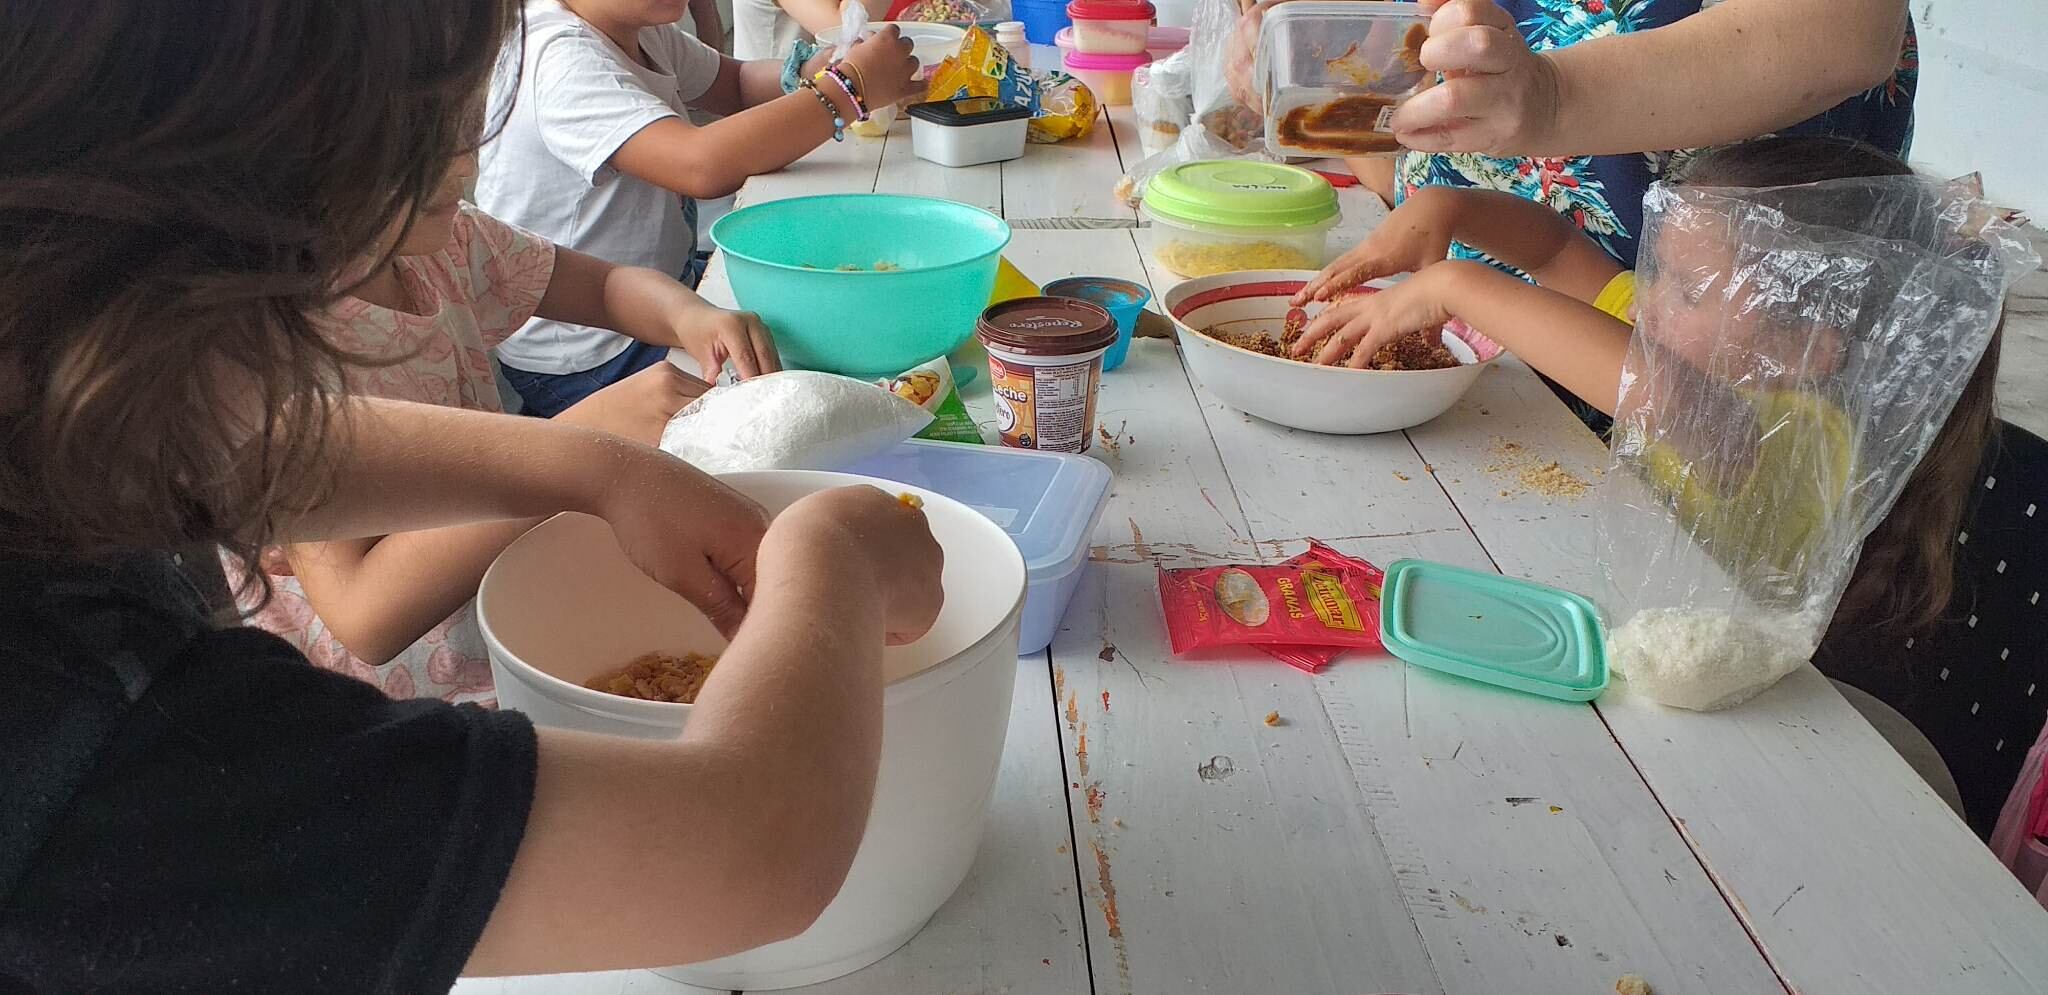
(1349, 332)
(883, 68)
(694, 535)
(713, 335)
(640, 406)
(1498, 97)
(889, 540)
(1415, 235)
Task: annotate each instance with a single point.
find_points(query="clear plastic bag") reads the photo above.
(1797, 350)
(1223, 127)
(1163, 97)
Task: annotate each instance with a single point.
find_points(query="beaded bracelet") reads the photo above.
(859, 83)
(860, 107)
(838, 123)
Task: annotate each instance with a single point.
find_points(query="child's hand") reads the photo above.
(882, 67)
(1416, 235)
(638, 407)
(1349, 332)
(876, 530)
(690, 533)
(712, 335)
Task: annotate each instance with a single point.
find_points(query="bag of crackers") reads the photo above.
(1061, 106)
(1304, 612)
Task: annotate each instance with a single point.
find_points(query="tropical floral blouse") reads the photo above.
(1604, 194)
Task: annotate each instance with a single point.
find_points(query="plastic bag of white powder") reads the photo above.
(793, 420)
(1796, 351)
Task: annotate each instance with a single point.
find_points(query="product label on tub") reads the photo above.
(1049, 408)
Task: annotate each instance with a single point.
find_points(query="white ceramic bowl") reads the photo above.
(563, 604)
(1335, 400)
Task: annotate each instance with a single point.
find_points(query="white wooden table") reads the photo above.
(1399, 831)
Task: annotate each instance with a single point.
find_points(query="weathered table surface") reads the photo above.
(1398, 831)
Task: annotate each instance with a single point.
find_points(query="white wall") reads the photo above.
(1983, 100)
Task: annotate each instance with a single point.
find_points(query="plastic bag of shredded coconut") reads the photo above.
(793, 420)
(1797, 350)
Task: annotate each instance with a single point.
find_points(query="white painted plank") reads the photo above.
(595, 983)
(834, 167)
(1524, 844)
(1015, 926)
(1852, 874)
(903, 172)
(1219, 854)
(1074, 179)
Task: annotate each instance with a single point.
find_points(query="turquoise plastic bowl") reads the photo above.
(783, 260)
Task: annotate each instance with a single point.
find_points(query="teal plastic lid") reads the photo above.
(1495, 629)
(1242, 193)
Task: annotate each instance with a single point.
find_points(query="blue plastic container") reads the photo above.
(867, 285)
(1123, 299)
(1048, 502)
(1042, 19)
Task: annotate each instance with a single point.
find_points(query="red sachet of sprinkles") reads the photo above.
(1309, 609)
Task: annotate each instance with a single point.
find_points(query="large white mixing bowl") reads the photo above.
(563, 604)
(1333, 399)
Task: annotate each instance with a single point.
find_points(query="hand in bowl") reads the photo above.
(1349, 332)
(887, 540)
(1416, 235)
(694, 535)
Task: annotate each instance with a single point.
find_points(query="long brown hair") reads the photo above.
(1906, 575)
(181, 185)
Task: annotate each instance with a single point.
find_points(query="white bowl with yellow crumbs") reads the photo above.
(563, 607)
(1231, 215)
(1234, 329)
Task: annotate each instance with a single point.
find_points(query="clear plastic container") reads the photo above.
(1111, 27)
(1107, 76)
(1230, 215)
(1331, 73)
(1164, 104)
(1049, 503)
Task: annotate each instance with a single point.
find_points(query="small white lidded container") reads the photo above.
(968, 131)
(1111, 27)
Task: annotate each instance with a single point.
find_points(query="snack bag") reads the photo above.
(931, 388)
(1330, 602)
(1066, 109)
(1313, 658)
(1061, 106)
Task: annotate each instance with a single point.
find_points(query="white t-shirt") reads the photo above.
(761, 30)
(578, 98)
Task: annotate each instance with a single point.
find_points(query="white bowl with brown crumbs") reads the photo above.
(1235, 334)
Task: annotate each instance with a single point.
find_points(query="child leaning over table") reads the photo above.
(445, 287)
(1574, 325)
(596, 152)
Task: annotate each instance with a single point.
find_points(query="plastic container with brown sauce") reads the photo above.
(1331, 73)
(1045, 368)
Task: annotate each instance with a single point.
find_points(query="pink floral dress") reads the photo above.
(471, 296)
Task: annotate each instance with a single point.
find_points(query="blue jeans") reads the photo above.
(548, 394)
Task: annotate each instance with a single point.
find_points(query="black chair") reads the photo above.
(1977, 683)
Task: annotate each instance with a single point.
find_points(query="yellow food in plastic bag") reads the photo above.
(1062, 106)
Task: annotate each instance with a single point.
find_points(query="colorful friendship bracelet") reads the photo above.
(860, 107)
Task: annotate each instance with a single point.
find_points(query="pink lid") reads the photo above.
(1111, 63)
(1111, 10)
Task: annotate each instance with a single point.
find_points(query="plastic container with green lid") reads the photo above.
(1229, 215)
(1500, 630)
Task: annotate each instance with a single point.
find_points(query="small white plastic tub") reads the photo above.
(968, 131)
(1111, 27)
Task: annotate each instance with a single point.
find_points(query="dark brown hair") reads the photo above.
(181, 185)
(1905, 577)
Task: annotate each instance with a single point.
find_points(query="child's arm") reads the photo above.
(767, 129)
(1520, 233)
(1568, 340)
(710, 24)
(820, 16)
(639, 853)
(379, 596)
(655, 308)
